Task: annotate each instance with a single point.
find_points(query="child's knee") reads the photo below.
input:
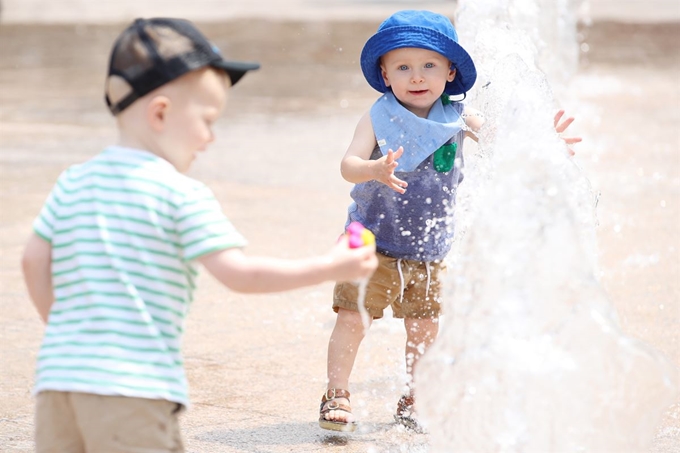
(350, 318)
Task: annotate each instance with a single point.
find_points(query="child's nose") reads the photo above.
(416, 77)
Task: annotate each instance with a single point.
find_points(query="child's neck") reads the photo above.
(128, 140)
(425, 111)
(131, 142)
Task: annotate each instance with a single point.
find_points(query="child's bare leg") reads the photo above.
(342, 351)
(420, 334)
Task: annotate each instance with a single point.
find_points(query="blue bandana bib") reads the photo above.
(396, 126)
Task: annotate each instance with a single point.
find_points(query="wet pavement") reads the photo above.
(256, 364)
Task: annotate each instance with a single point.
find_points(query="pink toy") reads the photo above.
(359, 236)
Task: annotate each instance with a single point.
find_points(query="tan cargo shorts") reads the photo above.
(69, 422)
(411, 287)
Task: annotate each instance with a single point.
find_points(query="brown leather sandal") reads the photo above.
(334, 425)
(405, 414)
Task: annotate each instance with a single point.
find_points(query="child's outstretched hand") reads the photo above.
(351, 264)
(383, 170)
(561, 127)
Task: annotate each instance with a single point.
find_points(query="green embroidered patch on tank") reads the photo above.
(444, 157)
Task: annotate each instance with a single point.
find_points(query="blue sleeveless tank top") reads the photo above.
(417, 225)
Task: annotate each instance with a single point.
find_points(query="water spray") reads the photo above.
(531, 357)
(360, 236)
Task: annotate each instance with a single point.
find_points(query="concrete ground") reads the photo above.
(256, 364)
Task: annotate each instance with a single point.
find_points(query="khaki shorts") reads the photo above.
(419, 300)
(68, 422)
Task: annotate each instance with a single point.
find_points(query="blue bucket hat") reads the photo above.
(421, 29)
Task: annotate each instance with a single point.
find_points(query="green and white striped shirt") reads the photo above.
(124, 228)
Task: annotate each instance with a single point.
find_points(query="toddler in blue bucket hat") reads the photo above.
(405, 197)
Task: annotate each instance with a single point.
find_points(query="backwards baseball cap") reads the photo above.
(152, 52)
(425, 30)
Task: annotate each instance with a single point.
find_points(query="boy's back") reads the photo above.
(124, 227)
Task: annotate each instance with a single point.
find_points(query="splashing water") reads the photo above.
(359, 236)
(531, 357)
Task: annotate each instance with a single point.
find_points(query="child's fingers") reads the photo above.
(558, 115)
(368, 259)
(343, 241)
(399, 182)
(390, 157)
(366, 250)
(565, 124)
(572, 140)
(398, 185)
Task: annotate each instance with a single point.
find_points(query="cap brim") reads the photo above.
(236, 69)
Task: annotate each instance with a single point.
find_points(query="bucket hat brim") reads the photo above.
(402, 36)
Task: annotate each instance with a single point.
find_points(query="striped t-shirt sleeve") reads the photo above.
(202, 227)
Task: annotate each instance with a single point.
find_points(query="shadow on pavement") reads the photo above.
(259, 439)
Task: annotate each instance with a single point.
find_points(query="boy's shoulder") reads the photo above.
(117, 164)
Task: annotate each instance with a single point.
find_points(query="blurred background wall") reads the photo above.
(108, 11)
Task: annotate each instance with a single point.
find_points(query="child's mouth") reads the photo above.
(418, 92)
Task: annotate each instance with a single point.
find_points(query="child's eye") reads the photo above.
(403, 67)
(429, 65)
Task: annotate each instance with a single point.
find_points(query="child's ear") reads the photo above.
(383, 72)
(452, 75)
(156, 112)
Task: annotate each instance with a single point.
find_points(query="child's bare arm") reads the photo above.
(36, 264)
(474, 119)
(356, 167)
(247, 274)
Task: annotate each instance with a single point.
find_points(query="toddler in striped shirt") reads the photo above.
(111, 266)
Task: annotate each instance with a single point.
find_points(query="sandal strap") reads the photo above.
(405, 404)
(331, 394)
(335, 407)
(329, 398)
